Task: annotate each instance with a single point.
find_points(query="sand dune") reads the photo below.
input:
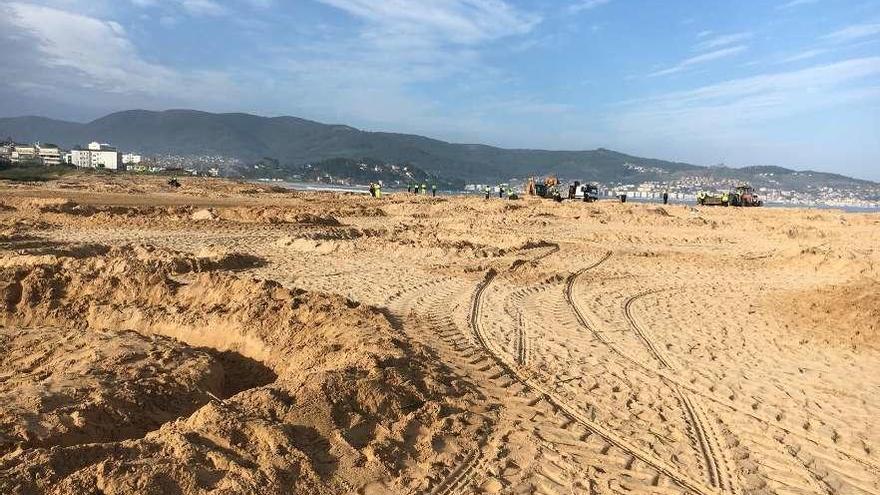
(236, 338)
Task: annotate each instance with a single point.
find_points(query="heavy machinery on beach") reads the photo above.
(745, 195)
(742, 195)
(587, 193)
(549, 188)
(713, 199)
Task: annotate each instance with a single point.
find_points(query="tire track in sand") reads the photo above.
(670, 378)
(708, 445)
(706, 439)
(522, 353)
(474, 321)
(442, 334)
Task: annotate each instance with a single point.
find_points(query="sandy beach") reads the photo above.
(230, 337)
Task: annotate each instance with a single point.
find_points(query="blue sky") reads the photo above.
(785, 82)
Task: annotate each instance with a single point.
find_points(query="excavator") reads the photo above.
(549, 188)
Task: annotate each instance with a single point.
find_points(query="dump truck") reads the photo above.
(587, 193)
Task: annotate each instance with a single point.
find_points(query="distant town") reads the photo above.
(97, 155)
(685, 189)
(103, 156)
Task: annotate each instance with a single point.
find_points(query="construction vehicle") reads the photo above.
(586, 192)
(549, 188)
(743, 195)
(713, 199)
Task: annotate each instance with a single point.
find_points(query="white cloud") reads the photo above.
(795, 3)
(372, 72)
(854, 32)
(73, 51)
(203, 7)
(461, 21)
(770, 117)
(804, 55)
(583, 5)
(700, 59)
(116, 28)
(196, 8)
(724, 40)
(736, 103)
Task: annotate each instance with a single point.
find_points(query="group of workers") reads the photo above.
(502, 191)
(421, 189)
(375, 189)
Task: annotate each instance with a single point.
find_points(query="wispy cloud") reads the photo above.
(804, 55)
(203, 7)
(734, 103)
(699, 59)
(372, 71)
(89, 53)
(461, 21)
(795, 3)
(583, 5)
(723, 40)
(853, 32)
(198, 8)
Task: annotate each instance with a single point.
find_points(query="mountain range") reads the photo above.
(294, 142)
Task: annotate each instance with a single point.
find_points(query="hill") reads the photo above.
(296, 142)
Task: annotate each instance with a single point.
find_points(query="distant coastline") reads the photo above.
(364, 189)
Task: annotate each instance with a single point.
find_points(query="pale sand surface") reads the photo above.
(233, 338)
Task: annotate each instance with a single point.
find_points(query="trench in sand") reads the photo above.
(73, 339)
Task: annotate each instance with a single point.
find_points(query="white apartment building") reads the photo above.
(22, 153)
(131, 159)
(98, 155)
(49, 154)
(80, 158)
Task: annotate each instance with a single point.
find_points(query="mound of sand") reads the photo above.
(822, 313)
(85, 210)
(71, 386)
(205, 214)
(346, 394)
